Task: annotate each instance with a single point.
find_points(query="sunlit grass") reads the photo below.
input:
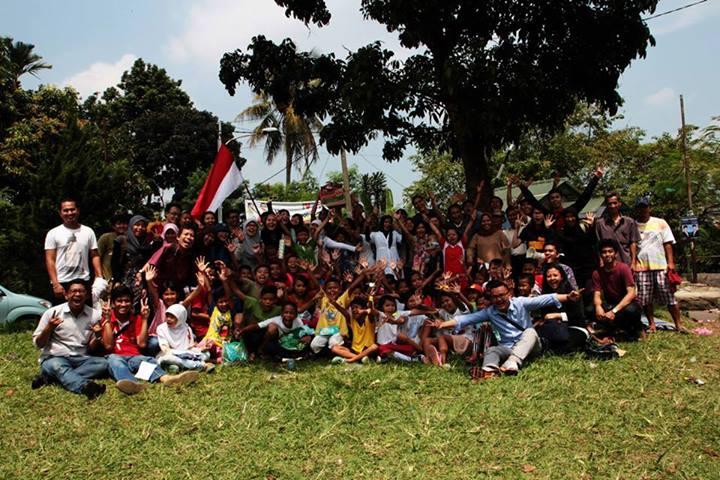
(637, 417)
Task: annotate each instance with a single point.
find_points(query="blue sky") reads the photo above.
(90, 44)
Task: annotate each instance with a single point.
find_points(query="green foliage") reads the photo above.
(151, 121)
(562, 417)
(483, 74)
(439, 174)
(283, 130)
(297, 191)
(354, 176)
(373, 192)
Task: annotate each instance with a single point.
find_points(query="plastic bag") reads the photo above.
(234, 352)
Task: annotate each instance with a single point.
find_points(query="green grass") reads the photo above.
(637, 417)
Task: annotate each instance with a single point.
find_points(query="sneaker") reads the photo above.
(186, 377)
(128, 387)
(510, 367)
(209, 367)
(172, 369)
(337, 360)
(92, 390)
(39, 381)
(365, 360)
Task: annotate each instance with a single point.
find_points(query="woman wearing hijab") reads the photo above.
(130, 253)
(562, 329)
(170, 233)
(177, 344)
(251, 245)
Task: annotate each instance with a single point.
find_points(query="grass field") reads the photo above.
(637, 417)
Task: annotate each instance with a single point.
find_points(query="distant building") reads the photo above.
(541, 188)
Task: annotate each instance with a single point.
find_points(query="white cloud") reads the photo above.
(214, 27)
(661, 98)
(99, 76)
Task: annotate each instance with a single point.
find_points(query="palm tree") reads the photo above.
(19, 60)
(283, 130)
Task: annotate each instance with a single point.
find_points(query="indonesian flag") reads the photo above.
(224, 178)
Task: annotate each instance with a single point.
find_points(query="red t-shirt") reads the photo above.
(613, 284)
(126, 334)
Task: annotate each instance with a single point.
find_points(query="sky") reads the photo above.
(91, 43)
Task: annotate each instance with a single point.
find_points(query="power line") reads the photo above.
(380, 170)
(674, 10)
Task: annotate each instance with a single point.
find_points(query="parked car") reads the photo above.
(16, 306)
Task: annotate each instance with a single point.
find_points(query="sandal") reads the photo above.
(488, 375)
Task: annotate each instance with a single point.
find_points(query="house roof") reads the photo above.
(541, 188)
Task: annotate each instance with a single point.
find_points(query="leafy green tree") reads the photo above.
(354, 176)
(49, 153)
(305, 189)
(150, 120)
(285, 131)
(18, 59)
(485, 73)
(438, 174)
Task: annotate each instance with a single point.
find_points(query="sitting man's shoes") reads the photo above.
(92, 390)
(128, 387)
(188, 376)
(39, 381)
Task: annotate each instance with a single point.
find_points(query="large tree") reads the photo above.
(486, 73)
(149, 119)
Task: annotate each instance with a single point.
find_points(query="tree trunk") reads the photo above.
(288, 170)
(475, 164)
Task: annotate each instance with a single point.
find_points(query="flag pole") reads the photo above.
(219, 144)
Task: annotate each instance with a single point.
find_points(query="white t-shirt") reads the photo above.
(72, 251)
(385, 332)
(654, 235)
(412, 326)
(282, 329)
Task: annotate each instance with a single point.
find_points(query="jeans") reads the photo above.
(123, 368)
(74, 372)
(627, 323)
(153, 346)
(527, 346)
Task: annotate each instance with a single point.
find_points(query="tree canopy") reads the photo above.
(150, 120)
(487, 73)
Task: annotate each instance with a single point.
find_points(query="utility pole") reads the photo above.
(686, 165)
(346, 182)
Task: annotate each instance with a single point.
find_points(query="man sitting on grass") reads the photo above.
(510, 318)
(65, 333)
(125, 335)
(616, 311)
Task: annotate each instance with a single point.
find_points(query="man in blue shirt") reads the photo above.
(511, 321)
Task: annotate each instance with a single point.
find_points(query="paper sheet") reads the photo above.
(145, 371)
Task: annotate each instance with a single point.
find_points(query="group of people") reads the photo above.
(162, 300)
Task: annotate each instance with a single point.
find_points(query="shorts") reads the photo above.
(653, 288)
(329, 341)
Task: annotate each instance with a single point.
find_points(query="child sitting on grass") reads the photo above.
(285, 336)
(177, 343)
(332, 330)
(362, 326)
(221, 327)
(125, 334)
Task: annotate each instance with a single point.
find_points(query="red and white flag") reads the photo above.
(224, 178)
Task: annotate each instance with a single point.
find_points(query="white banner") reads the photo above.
(302, 208)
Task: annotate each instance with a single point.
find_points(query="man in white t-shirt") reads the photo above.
(70, 249)
(654, 259)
